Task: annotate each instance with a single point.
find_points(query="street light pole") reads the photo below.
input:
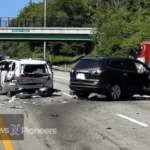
(45, 7)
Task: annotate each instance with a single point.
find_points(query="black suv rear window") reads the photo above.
(88, 63)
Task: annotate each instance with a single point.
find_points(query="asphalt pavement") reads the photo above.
(74, 124)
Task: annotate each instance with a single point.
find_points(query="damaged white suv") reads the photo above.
(26, 75)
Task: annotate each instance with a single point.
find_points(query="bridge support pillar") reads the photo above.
(89, 46)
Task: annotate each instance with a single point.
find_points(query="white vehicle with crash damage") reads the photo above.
(26, 75)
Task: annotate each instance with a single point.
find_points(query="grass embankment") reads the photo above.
(63, 61)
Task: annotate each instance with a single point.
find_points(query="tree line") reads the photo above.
(76, 13)
(120, 27)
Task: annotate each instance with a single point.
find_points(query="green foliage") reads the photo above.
(37, 55)
(58, 60)
(72, 48)
(59, 13)
(121, 27)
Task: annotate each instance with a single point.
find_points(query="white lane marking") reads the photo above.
(67, 94)
(133, 120)
(61, 78)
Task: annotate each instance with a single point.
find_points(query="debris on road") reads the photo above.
(2, 103)
(108, 128)
(23, 96)
(25, 102)
(143, 96)
(17, 107)
(11, 100)
(36, 96)
(74, 101)
(14, 97)
(38, 104)
(64, 102)
(7, 99)
(54, 115)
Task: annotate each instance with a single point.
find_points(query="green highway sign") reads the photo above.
(20, 30)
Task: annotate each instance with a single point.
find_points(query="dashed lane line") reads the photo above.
(133, 120)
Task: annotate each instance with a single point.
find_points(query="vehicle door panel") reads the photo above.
(2, 73)
(114, 70)
(5, 70)
(129, 75)
(10, 72)
(1, 67)
(143, 74)
(130, 80)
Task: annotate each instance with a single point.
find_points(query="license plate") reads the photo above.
(80, 76)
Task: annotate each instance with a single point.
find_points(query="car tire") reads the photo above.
(82, 95)
(10, 93)
(114, 92)
(23, 95)
(1, 91)
(50, 92)
(46, 93)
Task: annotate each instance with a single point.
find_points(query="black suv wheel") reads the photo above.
(114, 92)
(82, 94)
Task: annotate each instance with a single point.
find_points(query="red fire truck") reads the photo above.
(145, 53)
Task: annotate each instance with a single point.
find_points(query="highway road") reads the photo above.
(93, 124)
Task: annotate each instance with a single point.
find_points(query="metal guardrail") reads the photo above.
(51, 22)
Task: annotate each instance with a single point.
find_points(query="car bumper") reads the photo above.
(14, 86)
(92, 87)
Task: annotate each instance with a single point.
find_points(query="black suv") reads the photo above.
(114, 77)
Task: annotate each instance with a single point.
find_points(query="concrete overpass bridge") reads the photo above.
(59, 29)
(46, 33)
